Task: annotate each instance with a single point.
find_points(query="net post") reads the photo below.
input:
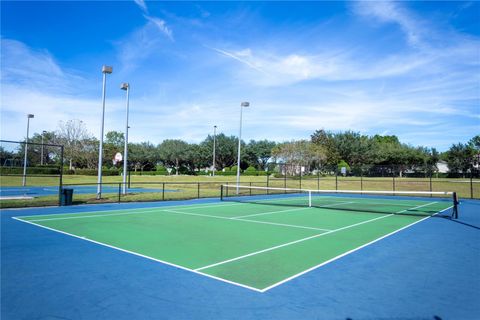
(309, 198)
(455, 206)
(60, 184)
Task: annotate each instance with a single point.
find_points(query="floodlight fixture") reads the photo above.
(24, 179)
(105, 70)
(125, 86)
(244, 104)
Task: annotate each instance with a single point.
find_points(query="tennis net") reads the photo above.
(420, 203)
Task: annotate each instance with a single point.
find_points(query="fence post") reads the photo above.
(285, 178)
(393, 184)
(163, 191)
(471, 184)
(268, 181)
(60, 182)
(300, 177)
(129, 177)
(361, 181)
(431, 188)
(318, 179)
(198, 190)
(336, 180)
(119, 192)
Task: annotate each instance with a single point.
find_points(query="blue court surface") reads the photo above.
(427, 270)
(42, 191)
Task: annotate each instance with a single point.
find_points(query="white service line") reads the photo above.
(141, 255)
(269, 212)
(307, 238)
(131, 211)
(246, 220)
(297, 209)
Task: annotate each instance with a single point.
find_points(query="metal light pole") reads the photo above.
(105, 70)
(242, 105)
(214, 142)
(41, 156)
(24, 182)
(125, 86)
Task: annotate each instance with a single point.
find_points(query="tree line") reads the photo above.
(323, 149)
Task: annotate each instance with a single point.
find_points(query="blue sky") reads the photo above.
(406, 68)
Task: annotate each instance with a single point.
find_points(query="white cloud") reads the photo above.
(389, 11)
(142, 5)
(161, 25)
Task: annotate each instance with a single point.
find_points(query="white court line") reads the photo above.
(305, 239)
(159, 210)
(143, 256)
(348, 252)
(215, 277)
(73, 215)
(246, 220)
(303, 208)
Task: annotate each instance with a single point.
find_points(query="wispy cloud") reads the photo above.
(35, 68)
(393, 12)
(241, 56)
(142, 5)
(161, 25)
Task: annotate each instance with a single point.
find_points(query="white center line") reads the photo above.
(246, 220)
(308, 238)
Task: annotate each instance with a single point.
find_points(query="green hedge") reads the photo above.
(30, 170)
(148, 173)
(93, 172)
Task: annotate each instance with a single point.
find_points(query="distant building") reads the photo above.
(442, 166)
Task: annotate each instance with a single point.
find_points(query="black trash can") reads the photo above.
(67, 196)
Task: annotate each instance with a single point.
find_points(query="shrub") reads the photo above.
(250, 171)
(343, 164)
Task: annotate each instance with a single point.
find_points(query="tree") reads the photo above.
(143, 156)
(258, 153)
(72, 134)
(226, 150)
(173, 152)
(301, 153)
(460, 158)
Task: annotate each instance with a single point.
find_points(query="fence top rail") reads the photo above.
(34, 143)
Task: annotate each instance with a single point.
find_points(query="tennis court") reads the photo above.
(44, 191)
(255, 238)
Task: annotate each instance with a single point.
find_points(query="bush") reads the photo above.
(225, 173)
(250, 171)
(30, 170)
(148, 173)
(93, 172)
(161, 170)
(342, 164)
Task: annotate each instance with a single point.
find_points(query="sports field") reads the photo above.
(254, 245)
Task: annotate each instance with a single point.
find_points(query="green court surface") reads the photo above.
(253, 245)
